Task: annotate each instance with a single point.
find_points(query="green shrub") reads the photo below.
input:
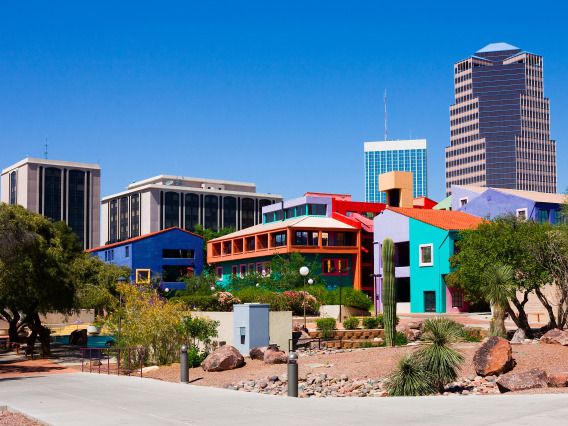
(381, 323)
(410, 378)
(349, 297)
(351, 323)
(400, 339)
(195, 358)
(326, 325)
(200, 303)
(371, 323)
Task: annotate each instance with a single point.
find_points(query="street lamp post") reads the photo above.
(304, 271)
(375, 294)
(120, 280)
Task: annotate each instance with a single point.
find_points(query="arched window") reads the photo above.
(191, 211)
(211, 212)
(247, 207)
(230, 212)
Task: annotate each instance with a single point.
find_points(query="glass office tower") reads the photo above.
(388, 156)
(500, 123)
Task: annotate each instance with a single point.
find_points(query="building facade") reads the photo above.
(165, 201)
(424, 241)
(500, 123)
(59, 190)
(173, 253)
(388, 156)
(493, 202)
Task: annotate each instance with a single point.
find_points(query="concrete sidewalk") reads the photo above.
(89, 399)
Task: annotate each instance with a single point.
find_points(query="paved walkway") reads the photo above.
(87, 399)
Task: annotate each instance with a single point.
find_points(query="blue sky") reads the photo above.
(282, 94)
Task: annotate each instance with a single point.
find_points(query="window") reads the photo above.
(463, 201)
(191, 211)
(135, 215)
(269, 217)
(178, 254)
(522, 214)
(247, 212)
(280, 239)
(230, 212)
(402, 254)
(279, 215)
(251, 268)
(324, 238)
(543, 216)
(123, 219)
(263, 268)
(219, 273)
(171, 210)
(127, 251)
(337, 264)
(172, 273)
(457, 299)
(113, 221)
(13, 186)
(243, 270)
(559, 217)
(234, 270)
(426, 255)
(211, 212)
(52, 196)
(142, 276)
(316, 209)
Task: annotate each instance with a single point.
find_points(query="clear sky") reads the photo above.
(279, 93)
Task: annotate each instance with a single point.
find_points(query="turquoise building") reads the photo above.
(424, 241)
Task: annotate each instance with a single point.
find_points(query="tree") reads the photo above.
(498, 290)
(537, 253)
(209, 234)
(35, 259)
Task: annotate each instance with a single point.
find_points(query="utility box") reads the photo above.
(251, 326)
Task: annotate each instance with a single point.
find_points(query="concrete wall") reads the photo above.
(280, 327)
(332, 311)
(85, 315)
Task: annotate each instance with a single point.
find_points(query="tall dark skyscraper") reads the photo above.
(500, 123)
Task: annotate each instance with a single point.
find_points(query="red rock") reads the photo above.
(558, 379)
(258, 353)
(555, 337)
(493, 357)
(412, 334)
(224, 358)
(273, 356)
(531, 379)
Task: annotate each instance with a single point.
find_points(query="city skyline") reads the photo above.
(261, 94)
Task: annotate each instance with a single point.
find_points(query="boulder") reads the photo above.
(555, 337)
(412, 334)
(258, 353)
(558, 379)
(415, 325)
(519, 337)
(78, 337)
(274, 356)
(298, 326)
(531, 379)
(493, 357)
(224, 358)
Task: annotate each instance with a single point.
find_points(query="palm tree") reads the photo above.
(497, 290)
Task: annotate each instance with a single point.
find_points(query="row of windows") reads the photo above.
(332, 267)
(464, 119)
(296, 211)
(463, 88)
(465, 170)
(464, 108)
(465, 160)
(465, 150)
(464, 129)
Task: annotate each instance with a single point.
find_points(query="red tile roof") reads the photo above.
(443, 219)
(141, 237)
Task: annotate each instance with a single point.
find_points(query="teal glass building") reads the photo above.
(388, 156)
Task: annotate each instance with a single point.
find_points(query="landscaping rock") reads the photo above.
(298, 326)
(225, 358)
(412, 334)
(258, 353)
(519, 337)
(493, 357)
(558, 379)
(531, 379)
(555, 337)
(274, 356)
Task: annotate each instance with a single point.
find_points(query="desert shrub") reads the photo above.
(410, 378)
(195, 357)
(351, 323)
(296, 302)
(381, 323)
(438, 357)
(326, 325)
(371, 323)
(400, 339)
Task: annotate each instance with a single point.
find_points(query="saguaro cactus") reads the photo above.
(389, 298)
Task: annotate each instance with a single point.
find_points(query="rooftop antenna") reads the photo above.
(45, 148)
(386, 114)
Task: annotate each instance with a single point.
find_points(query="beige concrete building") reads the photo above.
(59, 190)
(166, 201)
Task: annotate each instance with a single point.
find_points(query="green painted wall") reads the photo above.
(332, 280)
(429, 278)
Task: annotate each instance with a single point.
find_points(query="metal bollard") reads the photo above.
(293, 375)
(184, 365)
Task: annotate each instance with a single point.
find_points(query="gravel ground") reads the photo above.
(372, 363)
(15, 419)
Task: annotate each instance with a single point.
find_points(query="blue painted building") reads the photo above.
(387, 156)
(173, 253)
(493, 202)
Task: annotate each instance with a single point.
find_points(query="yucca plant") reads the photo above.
(438, 357)
(410, 378)
(498, 289)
